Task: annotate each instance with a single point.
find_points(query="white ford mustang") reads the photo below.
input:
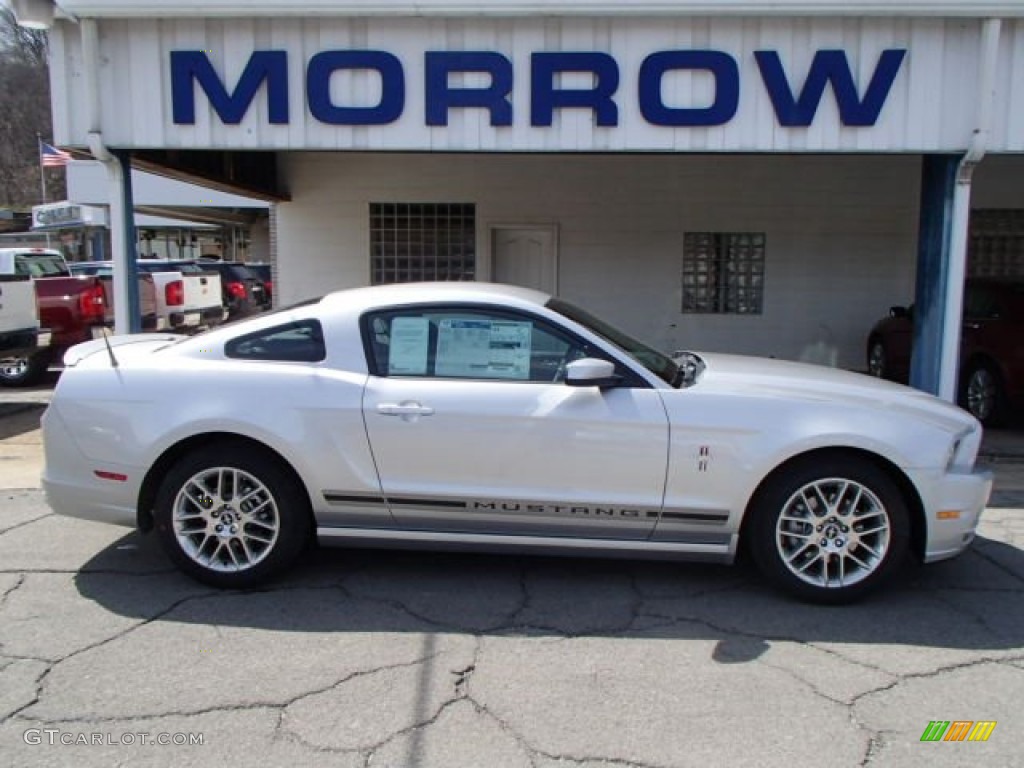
(468, 415)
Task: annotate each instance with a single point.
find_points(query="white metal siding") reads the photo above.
(128, 8)
(930, 107)
(841, 234)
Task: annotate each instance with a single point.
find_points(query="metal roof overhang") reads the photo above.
(252, 174)
(501, 8)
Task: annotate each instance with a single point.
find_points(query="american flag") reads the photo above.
(51, 157)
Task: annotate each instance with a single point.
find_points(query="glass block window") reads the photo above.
(410, 242)
(995, 247)
(723, 273)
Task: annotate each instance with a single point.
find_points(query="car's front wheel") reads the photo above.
(830, 529)
(232, 515)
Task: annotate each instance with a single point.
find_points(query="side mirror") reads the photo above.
(591, 372)
(898, 312)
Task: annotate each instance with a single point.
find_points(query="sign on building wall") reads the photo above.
(66, 215)
(816, 85)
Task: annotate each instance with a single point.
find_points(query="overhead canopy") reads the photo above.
(364, 8)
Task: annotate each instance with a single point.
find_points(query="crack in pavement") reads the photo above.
(533, 752)
(994, 562)
(8, 592)
(908, 676)
(23, 523)
(281, 729)
(279, 706)
(965, 610)
(401, 607)
(872, 736)
(875, 746)
(460, 694)
(91, 571)
(51, 665)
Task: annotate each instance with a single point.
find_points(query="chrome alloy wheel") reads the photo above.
(225, 519)
(833, 533)
(981, 393)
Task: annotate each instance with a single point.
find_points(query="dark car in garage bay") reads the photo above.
(244, 293)
(991, 349)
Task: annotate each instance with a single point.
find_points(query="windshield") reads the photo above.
(657, 363)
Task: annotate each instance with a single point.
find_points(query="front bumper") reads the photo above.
(953, 503)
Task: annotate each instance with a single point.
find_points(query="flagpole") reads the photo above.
(42, 177)
(42, 170)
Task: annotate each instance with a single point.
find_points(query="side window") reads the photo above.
(979, 303)
(468, 344)
(299, 342)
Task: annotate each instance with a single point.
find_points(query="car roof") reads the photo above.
(419, 293)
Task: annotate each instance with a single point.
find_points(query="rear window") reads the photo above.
(40, 265)
(168, 266)
(230, 270)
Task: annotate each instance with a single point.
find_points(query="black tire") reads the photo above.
(803, 553)
(983, 394)
(24, 371)
(878, 359)
(257, 540)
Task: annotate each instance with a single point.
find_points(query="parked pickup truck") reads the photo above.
(20, 334)
(187, 297)
(73, 308)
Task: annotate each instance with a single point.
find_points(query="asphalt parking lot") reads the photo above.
(365, 658)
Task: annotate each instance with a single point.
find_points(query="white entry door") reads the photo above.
(526, 256)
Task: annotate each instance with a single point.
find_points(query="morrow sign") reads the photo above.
(794, 104)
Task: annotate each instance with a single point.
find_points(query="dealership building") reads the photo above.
(754, 177)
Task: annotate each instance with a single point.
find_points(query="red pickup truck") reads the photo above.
(73, 309)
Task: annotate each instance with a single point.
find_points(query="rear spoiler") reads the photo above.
(81, 351)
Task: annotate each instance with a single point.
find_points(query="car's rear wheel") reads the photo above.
(878, 365)
(24, 371)
(829, 530)
(983, 394)
(232, 515)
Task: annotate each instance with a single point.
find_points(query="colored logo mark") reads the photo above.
(958, 730)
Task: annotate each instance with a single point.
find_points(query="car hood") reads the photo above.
(770, 378)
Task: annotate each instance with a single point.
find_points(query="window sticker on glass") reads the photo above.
(407, 351)
(483, 349)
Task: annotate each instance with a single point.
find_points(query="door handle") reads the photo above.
(408, 408)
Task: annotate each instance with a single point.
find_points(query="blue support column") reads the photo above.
(124, 157)
(938, 183)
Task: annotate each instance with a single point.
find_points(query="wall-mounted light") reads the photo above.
(33, 14)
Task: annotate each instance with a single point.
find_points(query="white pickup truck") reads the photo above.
(20, 334)
(187, 297)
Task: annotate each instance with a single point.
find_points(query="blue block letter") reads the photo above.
(318, 87)
(829, 67)
(545, 98)
(494, 98)
(727, 88)
(193, 66)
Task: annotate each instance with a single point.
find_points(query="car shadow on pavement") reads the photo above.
(974, 602)
(19, 418)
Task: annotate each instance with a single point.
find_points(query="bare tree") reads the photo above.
(24, 114)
